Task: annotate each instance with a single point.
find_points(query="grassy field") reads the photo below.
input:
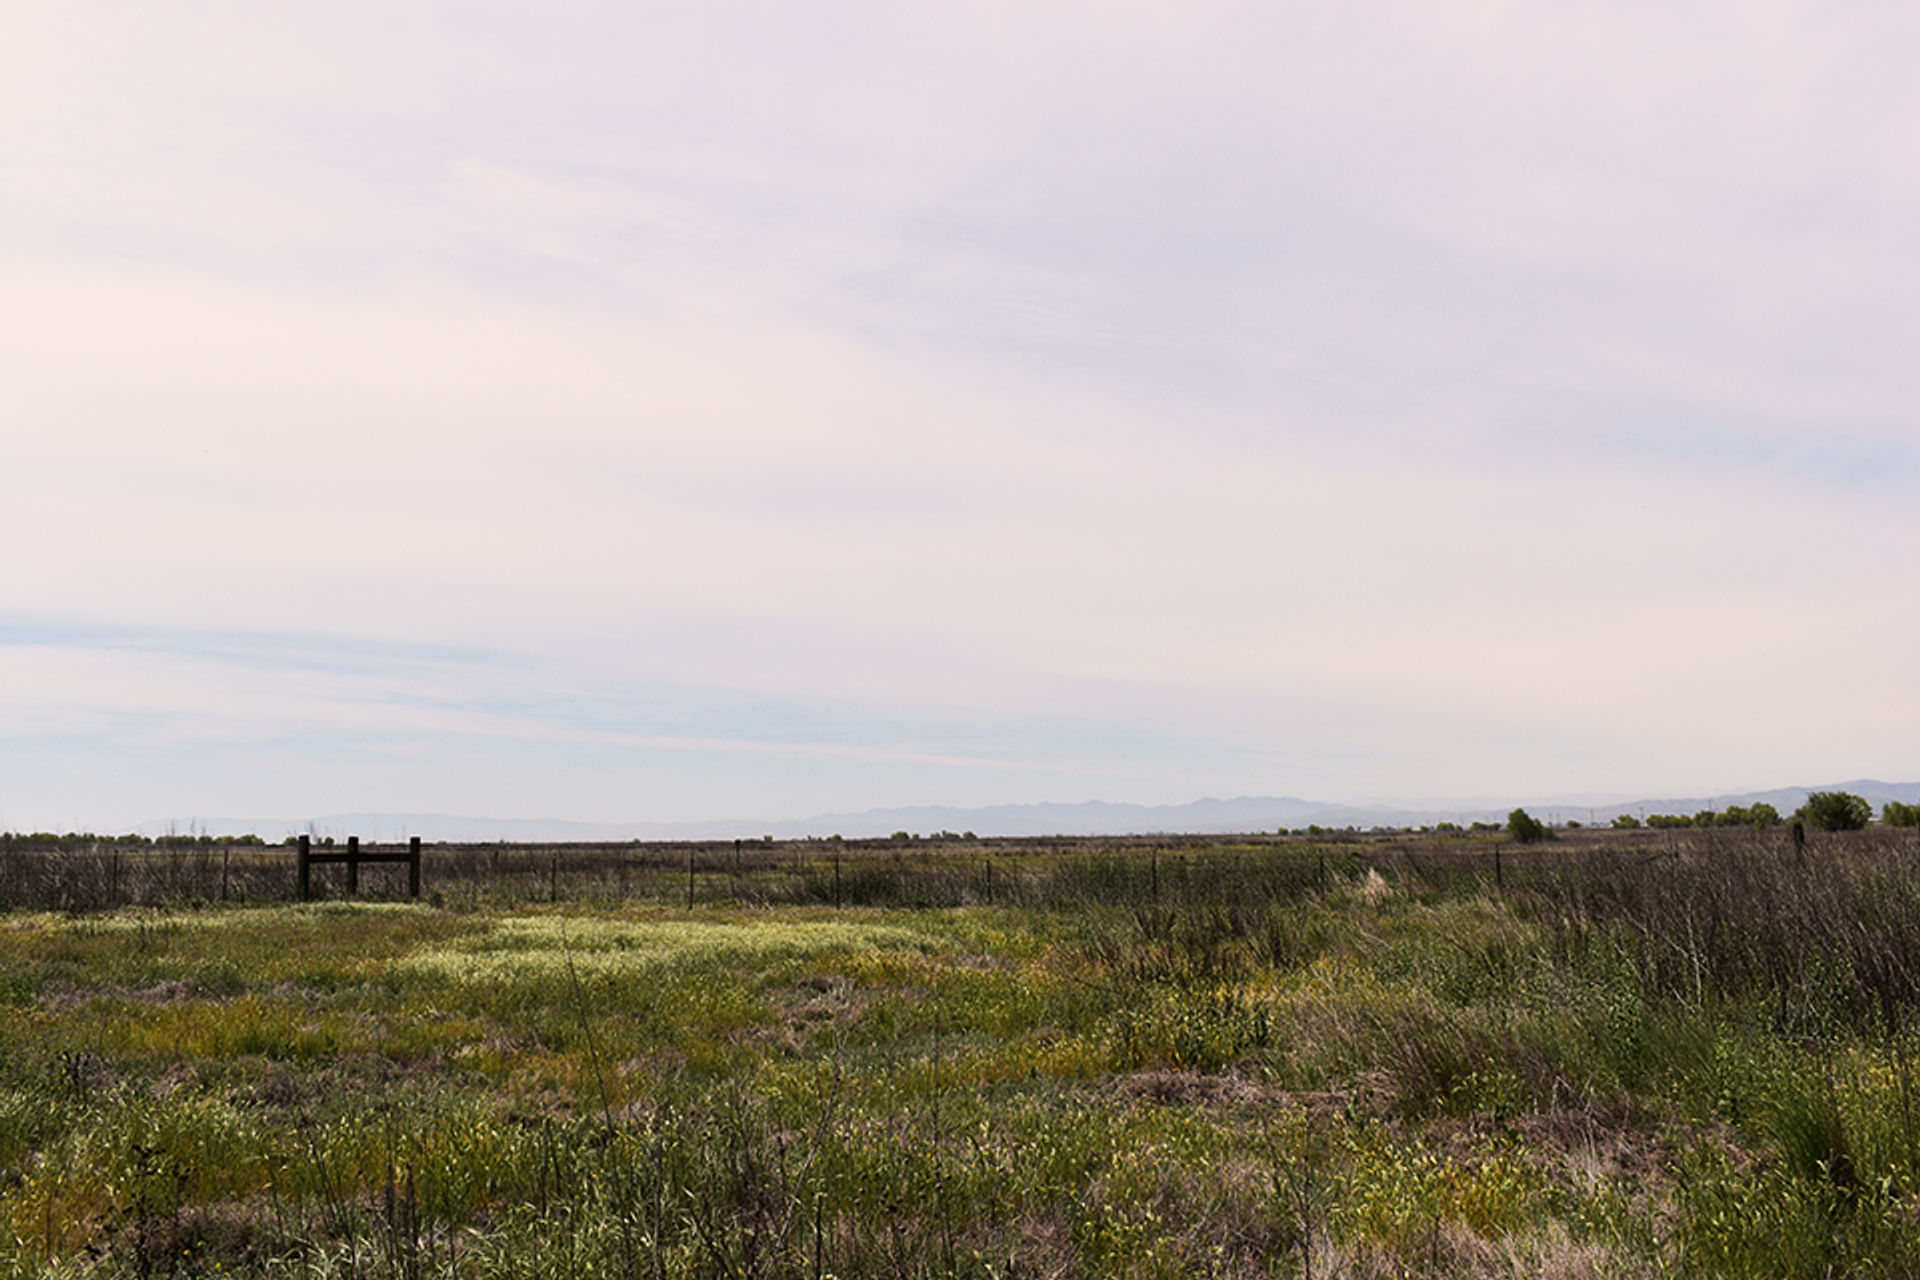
(1688, 1053)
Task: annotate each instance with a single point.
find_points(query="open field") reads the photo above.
(1633, 1053)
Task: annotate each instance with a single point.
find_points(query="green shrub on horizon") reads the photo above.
(1525, 828)
(1835, 811)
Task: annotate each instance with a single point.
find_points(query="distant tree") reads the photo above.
(1835, 811)
(1525, 828)
(1898, 814)
(1761, 814)
(1625, 822)
(1668, 821)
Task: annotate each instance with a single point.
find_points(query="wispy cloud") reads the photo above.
(652, 412)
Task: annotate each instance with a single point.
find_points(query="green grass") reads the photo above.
(1266, 1062)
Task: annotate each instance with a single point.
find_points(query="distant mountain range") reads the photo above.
(1093, 817)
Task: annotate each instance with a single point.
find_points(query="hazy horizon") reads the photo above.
(1205, 815)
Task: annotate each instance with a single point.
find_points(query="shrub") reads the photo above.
(1897, 814)
(1761, 815)
(1835, 811)
(1667, 821)
(1525, 828)
(1625, 822)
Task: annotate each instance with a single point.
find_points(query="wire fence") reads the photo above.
(80, 875)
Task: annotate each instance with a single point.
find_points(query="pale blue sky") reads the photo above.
(668, 412)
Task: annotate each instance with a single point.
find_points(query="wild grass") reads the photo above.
(1624, 1056)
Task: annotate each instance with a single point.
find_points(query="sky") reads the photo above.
(667, 412)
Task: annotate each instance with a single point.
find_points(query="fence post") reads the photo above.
(353, 866)
(413, 867)
(304, 873)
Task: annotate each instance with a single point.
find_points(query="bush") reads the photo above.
(1761, 815)
(1668, 821)
(1525, 828)
(1625, 822)
(1897, 814)
(1835, 811)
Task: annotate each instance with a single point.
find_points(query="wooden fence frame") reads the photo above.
(353, 856)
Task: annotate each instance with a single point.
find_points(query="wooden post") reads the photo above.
(304, 873)
(413, 867)
(353, 866)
